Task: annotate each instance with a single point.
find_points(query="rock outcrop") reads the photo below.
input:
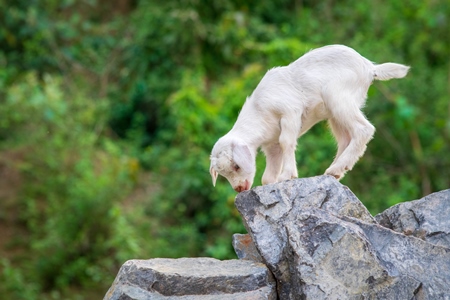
(320, 242)
(311, 238)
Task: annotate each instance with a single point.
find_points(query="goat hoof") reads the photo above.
(337, 175)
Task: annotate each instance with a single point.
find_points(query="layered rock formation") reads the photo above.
(319, 242)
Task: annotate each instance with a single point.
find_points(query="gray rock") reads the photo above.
(333, 259)
(265, 211)
(320, 242)
(192, 278)
(427, 218)
(293, 196)
(427, 263)
(245, 248)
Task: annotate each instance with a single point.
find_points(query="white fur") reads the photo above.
(328, 83)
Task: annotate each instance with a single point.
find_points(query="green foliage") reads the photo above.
(15, 285)
(74, 181)
(114, 110)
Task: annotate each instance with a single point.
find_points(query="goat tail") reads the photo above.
(388, 71)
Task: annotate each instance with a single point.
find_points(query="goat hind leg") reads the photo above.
(361, 132)
(341, 135)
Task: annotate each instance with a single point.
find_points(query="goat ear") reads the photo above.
(214, 175)
(242, 157)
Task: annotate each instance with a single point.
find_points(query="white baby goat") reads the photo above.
(326, 83)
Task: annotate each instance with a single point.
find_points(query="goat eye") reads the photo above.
(236, 167)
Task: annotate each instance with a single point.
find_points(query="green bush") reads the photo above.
(74, 181)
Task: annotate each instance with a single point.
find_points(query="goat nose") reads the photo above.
(239, 188)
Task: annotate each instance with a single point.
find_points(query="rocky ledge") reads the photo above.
(311, 238)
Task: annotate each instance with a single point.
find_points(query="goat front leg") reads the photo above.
(274, 161)
(290, 128)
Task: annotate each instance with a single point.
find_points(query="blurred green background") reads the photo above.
(109, 109)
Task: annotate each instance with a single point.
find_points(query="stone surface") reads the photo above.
(320, 242)
(427, 218)
(192, 278)
(333, 259)
(427, 263)
(245, 248)
(267, 209)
